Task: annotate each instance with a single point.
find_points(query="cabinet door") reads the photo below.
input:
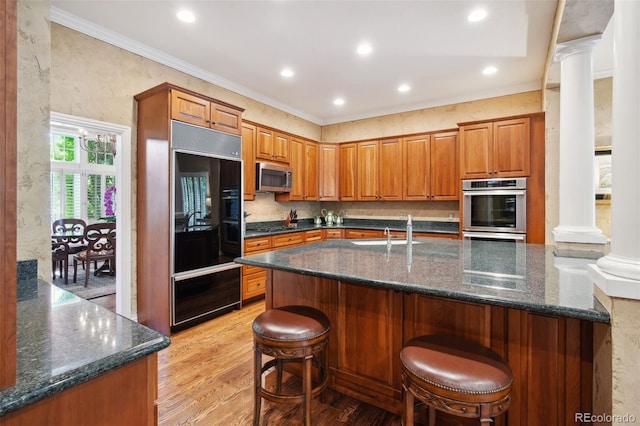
(444, 166)
(369, 321)
(310, 171)
(368, 163)
(511, 148)
(190, 109)
(249, 133)
(362, 233)
(280, 147)
(328, 172)
(475, 150)
(225, 119)
(264, 144)
(348, 171)
(390, 170)
(296, 162)
(416, 165)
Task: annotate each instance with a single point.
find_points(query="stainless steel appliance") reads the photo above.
(495, 209)
(207, 206)
(273, 178)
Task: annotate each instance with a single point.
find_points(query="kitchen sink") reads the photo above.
(380, 242)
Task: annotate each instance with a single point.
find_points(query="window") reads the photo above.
(79, 178)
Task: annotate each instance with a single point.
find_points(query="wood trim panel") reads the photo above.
(125, 396)
(153, 246)
(8, 191)
(536, 183)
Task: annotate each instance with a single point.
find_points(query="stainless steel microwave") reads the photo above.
(273, 178)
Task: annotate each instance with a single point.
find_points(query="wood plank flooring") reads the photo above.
(205, 377)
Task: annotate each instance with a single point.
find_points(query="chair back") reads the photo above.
(101, 239)
(72, 230)
(59, 250)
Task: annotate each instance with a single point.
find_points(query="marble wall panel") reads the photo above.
(34, 60)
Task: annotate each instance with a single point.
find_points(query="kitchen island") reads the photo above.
(536, 310)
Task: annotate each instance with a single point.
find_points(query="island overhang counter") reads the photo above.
(536, 310)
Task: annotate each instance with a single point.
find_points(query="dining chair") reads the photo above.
(60, 258)
(101, 246)
(72, 232)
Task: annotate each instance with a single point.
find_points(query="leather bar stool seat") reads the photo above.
(456, 376)
(290, 334)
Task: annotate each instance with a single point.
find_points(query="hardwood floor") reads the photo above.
(205, 378)
(108, 302)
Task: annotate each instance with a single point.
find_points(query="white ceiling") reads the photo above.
(243, 45)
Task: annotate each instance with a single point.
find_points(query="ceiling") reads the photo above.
(243, 45)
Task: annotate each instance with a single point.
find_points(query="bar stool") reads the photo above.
(456, 376)
(290, 334)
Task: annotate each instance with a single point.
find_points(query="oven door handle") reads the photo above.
(495, 192)
(494, 236)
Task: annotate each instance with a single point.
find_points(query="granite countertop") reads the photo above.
(63, 340)
(259, 229)
(521, 276)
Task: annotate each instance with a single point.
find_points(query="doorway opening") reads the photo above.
(99, 176)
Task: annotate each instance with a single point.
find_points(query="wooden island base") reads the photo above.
(551, 356)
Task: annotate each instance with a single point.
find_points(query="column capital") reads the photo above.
(579, 45)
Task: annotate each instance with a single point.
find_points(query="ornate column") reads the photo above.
(617, 275)
(576, 229)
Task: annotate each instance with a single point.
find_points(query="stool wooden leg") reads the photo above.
(307, 386)
(408, 407)
(257, 384)
(485, 414)
(279, 376)
(432, 415)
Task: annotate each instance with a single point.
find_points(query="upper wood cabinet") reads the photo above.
(379, 170)
(328, 172)
(303, 159)
(431, 167)
(272, 145)
(495, 149)
(347, 174)
(368, 159)
(249, 135)
(202, 111)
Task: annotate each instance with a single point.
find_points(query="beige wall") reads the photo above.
(438, 118)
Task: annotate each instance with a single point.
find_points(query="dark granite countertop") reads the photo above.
(63, 340)
(521, 276)
(259, 229)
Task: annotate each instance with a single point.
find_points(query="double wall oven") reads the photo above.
(495, 209)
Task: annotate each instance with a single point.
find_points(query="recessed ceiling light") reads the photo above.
(404, 88)
(286, 72)
(489, 70)
(477, 15)
(364, 49)
(338, 101)
(186, 16)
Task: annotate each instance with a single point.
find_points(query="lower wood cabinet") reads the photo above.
(124, 396)
(551, 356)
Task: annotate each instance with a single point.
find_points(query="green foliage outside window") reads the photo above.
(63, 148)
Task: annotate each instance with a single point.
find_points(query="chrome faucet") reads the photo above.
(189, 216)
(387, 232)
